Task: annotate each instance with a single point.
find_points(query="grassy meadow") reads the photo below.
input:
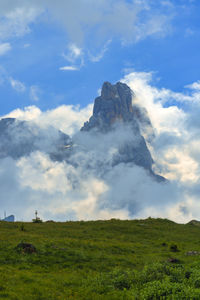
(133, 259)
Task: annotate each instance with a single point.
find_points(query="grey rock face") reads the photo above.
(114, 104)
(114, 109)
(20, 138)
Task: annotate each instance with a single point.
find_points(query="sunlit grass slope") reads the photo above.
(138, 259)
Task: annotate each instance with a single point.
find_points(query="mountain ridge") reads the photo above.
(114, 115)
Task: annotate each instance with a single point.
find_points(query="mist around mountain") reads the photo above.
(21, 138)
(105, 167)
(115, 123)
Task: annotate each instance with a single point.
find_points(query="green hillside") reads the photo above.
(138, 259)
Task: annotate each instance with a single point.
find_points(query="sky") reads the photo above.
(54, 58)
(61, 53)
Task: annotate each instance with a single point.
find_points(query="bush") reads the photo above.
(38, 220)
(174, 248)
(122, 279)
(21, 227)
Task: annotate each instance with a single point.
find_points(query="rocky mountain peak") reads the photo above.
(108, 90)
(118, 91)
(114, 104)
(112, 111)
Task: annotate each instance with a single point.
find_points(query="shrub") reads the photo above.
(38, 220)
(121, 279)
(174, 248)
(21, 227)
(164, 244)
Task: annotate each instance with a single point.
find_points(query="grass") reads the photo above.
(100, 260)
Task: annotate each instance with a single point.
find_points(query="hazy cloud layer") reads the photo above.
(122, 18)
(87, 20)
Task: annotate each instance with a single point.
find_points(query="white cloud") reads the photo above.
(194, 86)
(17, 85)
(100, 55)
(176, 136)
(73, 53)
(45, 174)
(16, 17)
(68, 68)
(67, 118)
(27, 45)
(169, 118)
(39, 183)
(88, 25)
(34, 93)
(28, 114)
(176, 147)
(4, 48)
(99, 20)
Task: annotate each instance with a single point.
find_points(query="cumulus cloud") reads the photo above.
(67, 118)
(176, 145)
(194, 85)
(85, 186)
(167, 120)
(39, 183)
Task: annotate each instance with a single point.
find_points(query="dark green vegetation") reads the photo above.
(140, 259)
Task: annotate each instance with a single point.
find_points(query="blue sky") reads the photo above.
(97, 43)
(54, 57)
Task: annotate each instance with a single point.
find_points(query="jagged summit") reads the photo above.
(120, 95)
(113, 110)
(114, 104)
